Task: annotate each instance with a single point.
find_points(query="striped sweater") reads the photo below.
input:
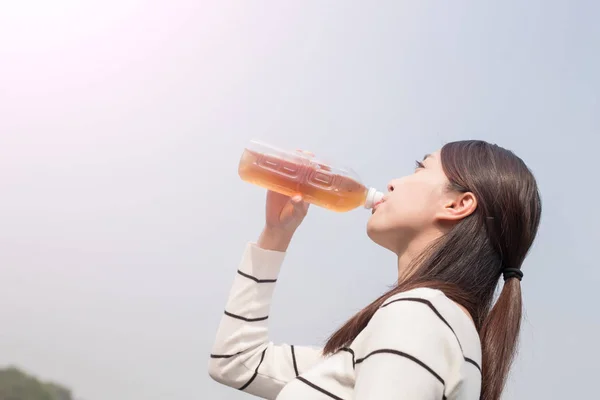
(419, 346)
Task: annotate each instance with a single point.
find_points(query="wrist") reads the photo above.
(274, 239)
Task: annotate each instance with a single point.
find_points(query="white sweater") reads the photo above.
(418, 346)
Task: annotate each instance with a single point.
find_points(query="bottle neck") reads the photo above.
(373, 197)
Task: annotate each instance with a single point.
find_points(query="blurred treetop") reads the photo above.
(18, 385)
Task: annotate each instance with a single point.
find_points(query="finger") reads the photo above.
(297, 199)
(300, 206)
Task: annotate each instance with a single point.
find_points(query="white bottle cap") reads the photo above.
(373, 197)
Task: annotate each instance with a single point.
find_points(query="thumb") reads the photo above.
(300, 206)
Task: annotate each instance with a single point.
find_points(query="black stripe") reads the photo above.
(312, 385)
(432, 307)
(349, 350)
(294, 360)
(427, 303)
(467, 359)
(244, 318)
(256, 279)
(401, 354)
(225, 355)
(262, 357)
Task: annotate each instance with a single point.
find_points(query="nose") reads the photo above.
(394, 184)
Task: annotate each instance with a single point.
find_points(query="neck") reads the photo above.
(416, 247)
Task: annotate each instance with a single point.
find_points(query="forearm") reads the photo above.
(274, 239)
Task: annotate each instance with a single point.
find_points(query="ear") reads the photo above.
(457, 206)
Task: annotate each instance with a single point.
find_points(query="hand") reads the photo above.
(284, 213)
(283, 216)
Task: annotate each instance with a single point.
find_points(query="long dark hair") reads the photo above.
(467, 262)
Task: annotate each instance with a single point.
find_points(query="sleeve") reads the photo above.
(242, 355)
(406, 353)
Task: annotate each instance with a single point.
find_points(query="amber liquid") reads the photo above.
(318, 185)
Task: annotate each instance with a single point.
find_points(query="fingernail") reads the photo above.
(297, 198)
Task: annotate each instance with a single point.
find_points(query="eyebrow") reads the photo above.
(426, 156)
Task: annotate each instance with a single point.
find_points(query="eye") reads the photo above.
(419, 164)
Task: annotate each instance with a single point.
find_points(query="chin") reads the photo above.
(382, 234)
(374, 231)
(371, 225)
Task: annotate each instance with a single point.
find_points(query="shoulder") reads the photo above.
(423, 335)
(432, 308)
(428, 301)
(423, 293)
(424, 323)
(421, 314)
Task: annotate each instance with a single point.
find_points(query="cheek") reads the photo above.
(413, 204)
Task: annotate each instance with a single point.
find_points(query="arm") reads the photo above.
(406, 352)
(242, 355)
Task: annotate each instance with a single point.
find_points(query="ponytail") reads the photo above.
(499, 336)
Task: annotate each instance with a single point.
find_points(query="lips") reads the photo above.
(375, 206)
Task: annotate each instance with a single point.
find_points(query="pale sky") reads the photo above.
(122, 218)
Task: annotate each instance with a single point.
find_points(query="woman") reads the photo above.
(464, 219)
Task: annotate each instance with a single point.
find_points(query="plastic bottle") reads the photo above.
(296, 172)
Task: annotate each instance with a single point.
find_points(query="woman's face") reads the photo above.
(412, 205)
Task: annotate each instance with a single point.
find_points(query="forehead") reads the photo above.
(433, 157)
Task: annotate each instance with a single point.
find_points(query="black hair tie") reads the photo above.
(512, 273)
